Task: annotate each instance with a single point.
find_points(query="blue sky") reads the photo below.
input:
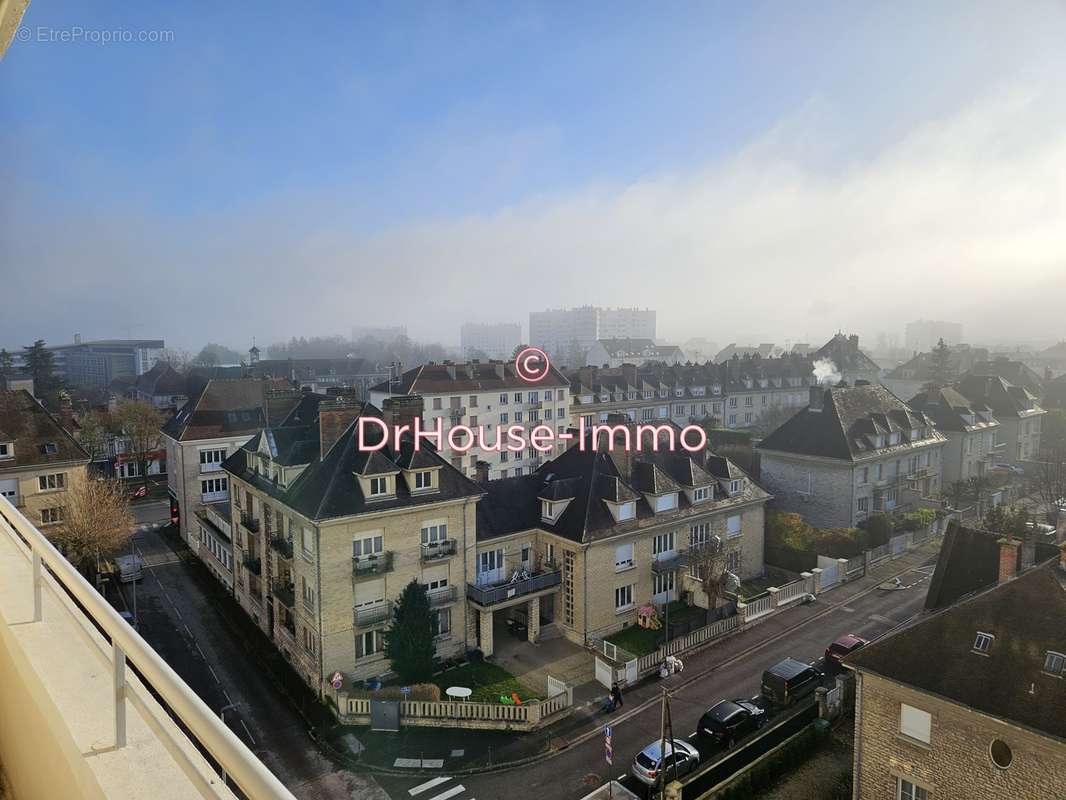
(264, 157)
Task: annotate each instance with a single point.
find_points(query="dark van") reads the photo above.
(788, 681)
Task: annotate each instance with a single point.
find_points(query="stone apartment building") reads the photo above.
(967, 702)
(572, 331)
(738, 393)
(850, 361)
(326, 537)
(487, 394)
(209, 428)
(616, 352)
(1016, 409)
(39, 459)
(969, 428)
(854, 451)
(596, 534)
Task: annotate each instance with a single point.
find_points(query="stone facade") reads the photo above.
(35, 503)
(956, 763)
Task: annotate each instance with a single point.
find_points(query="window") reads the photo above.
(442, 622)
(983, 643)
(433, 533)
(663, 543)
(307, 542)
(503, 418)
(748, 400)
(518, 416)
(379, 486)
(5, 450)
(914, 722)
(623, 597)
(309, 641)
(664, 582)
(879, 472)
(701, 493)
(559, 395)
(503, 398)
(732, 419)
(732, 526)
(54, 482)
(1054, 663)
(666, 502)
(547, 395)
(698, 534)
(548, 413)
(905, 790)
(747, 417)
(732, 561)
(367, 644)
(863, 504)
(213, 489)
(49, 448)
(473, 401)
(734, 487)
(518, 472)
(623, 557)
(308, 592)
(368, 546)
(211, 460)
(864, 475)
(518, 397)
(1000, 753)
(437, 403)
(504, 455)
(627, 511)
(423, 480)
(732, 402)
(50, 516)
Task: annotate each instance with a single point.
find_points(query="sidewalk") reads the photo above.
(487, 750)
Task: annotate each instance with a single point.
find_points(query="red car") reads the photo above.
(842, 647)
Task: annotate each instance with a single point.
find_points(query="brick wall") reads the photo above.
(956, 764)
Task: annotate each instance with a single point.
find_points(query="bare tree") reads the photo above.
(956, 494)
(1047, 480)
(707, 562)
(140, 423)
(177, 358)
(97, 523)
(94, 431)
(978, 488)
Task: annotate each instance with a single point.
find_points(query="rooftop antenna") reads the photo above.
(395, 372)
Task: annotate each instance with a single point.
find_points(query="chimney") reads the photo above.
(501, 369)
(279, 402)
(334, 417)
(817, 399)
(853, 340)
(1008, 558)
(481, 472)
(629, 372)
(401, 410)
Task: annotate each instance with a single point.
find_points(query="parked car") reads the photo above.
(649, 765)
(129, 568)
(728, 721)
(844, 646)
(789, 681)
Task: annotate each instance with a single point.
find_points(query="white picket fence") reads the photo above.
(651, 661)
(792, 591)
(758, 607)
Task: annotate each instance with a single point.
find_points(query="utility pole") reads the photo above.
(666, 734)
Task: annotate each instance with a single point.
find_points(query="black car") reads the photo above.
(731, 720)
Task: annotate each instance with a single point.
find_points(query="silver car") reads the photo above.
(649, 764)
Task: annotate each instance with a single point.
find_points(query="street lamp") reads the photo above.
(222, 715)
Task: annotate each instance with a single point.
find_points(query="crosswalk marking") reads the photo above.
(425, 787)
(450, 793)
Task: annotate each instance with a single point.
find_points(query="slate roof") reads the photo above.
(849, 415)
(485, 376)
(1027, 616)
(1005, 399)
(645, 348)
(845, 353)
(950, 410)
(591, 477)
(25, 422)
(228, 407)
(161, 379)
(1013, 372)
(328, 487)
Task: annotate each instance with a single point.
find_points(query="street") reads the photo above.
(869, 612)
(176, 617)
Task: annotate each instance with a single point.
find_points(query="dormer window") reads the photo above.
(423, 481)
(627, 510)
(666, 502)
(701, 493)
(379, 487)
(893, 438)
(49, 448)
(879, 442)
(1054, 663)
(983, 643)
(734, 487)
(916, 434)
(7, 449)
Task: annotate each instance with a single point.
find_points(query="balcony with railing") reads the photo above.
(489, 595)
(441, 549)
(252, 563)
(369, 566)
(442, 597)
(670, 561)
(366, 616)
(283, 547)
(77, 722)
(249, 522)
(285, 592)
(218, 514)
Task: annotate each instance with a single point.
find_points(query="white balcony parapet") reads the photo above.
(68, 687)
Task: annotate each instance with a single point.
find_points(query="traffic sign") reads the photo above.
(608, 747)
(405, 690)
(337, 680)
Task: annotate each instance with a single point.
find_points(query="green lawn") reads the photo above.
(756, 587)
(636, 640)
(487, 680)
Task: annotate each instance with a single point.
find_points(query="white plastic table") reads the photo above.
(459, 692)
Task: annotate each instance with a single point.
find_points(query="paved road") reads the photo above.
(804, 634)
(176, 618)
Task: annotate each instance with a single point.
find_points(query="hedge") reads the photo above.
(764, 773)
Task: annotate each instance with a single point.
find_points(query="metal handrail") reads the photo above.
(240, 763)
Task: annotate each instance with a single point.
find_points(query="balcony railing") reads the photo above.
(283, 547)
(285, 592)
(51, 581)
(253, 564)
(441, 549)
(372, 615)
(441, 597)
(499, 593)
(669, 562)
(249, 522)
(364, 566)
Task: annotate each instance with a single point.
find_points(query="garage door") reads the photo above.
(9, 488)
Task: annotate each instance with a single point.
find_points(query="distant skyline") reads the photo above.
(737, 167)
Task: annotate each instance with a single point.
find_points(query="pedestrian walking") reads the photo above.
(616, 695)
